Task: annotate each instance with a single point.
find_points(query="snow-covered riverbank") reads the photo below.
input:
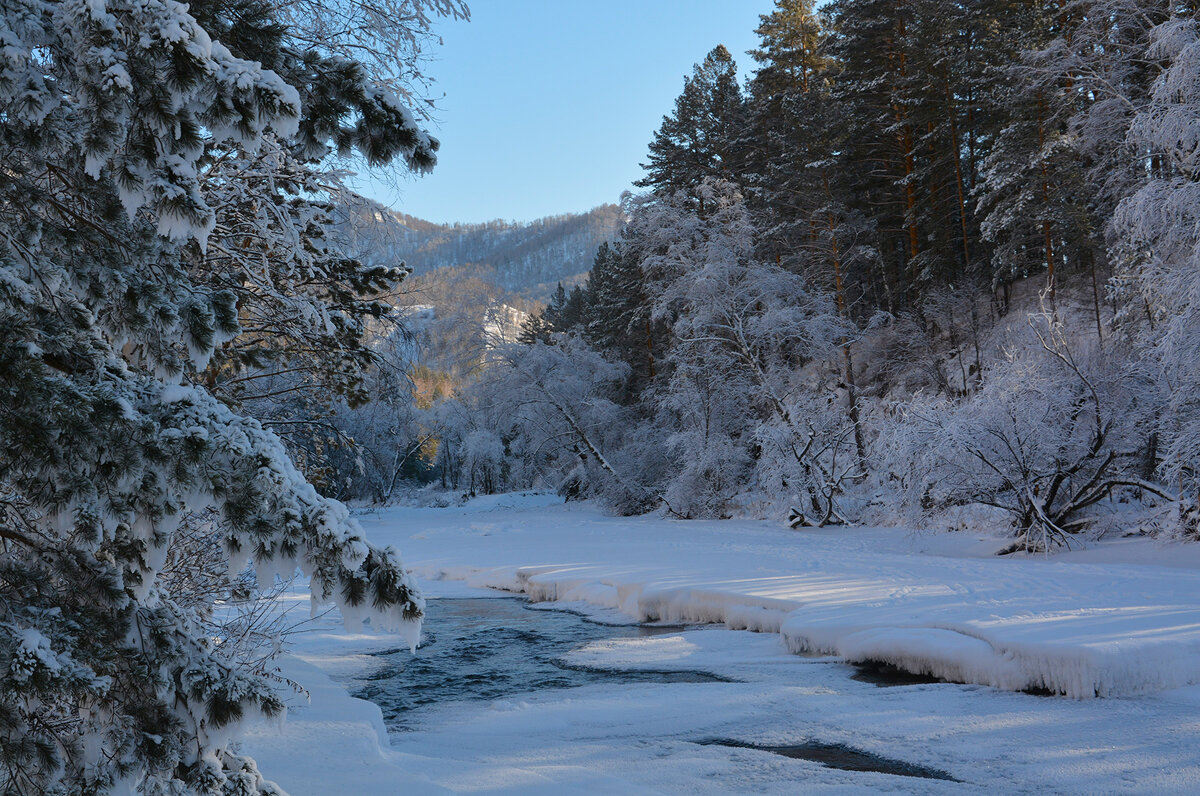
(1084, 624)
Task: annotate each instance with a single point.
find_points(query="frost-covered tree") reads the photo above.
(552, 406)
(131, 133)
(1158, 231)
(744, 332)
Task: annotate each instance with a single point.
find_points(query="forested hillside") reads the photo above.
(528, 259)
(934, 262)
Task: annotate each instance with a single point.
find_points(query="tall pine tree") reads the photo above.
(698, 140)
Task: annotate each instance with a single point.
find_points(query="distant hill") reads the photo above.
(527, 259)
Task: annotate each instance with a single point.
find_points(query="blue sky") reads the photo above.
(550, 104)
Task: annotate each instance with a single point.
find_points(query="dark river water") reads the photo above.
(490, 648)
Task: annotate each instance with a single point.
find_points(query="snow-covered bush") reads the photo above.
(1054, 430)
(812, 461)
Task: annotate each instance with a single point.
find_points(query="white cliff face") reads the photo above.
(503, 325)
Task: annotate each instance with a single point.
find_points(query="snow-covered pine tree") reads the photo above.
(1100, 52)
(303, 306)
(124, 126)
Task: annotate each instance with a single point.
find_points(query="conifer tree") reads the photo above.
(698, 139)
(572, 316)
(786, 128)
(534, 329)
(554, 315)
(872, 43)
(126, 126)
(790, 53)
(1031, 191)
(618, 318)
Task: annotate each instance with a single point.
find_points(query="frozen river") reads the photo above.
(487, 649)
(523, 698)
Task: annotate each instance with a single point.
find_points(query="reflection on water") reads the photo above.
(491, 648)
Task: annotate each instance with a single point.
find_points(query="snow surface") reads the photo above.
(1082, 624)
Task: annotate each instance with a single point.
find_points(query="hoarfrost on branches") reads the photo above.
(159, 213)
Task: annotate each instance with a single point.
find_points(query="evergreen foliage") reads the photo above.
(698, 139)
(163, 232)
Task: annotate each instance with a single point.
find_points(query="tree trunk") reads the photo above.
(839, 287)
(958, 172)
(905, 136)
(1091, 255)
(1047, 239)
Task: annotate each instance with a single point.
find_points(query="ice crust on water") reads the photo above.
(1113, 662)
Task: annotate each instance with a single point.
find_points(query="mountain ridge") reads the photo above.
(528, 259)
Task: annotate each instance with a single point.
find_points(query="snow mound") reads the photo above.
(923, 650)
(941, 630)
(1079, 654)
